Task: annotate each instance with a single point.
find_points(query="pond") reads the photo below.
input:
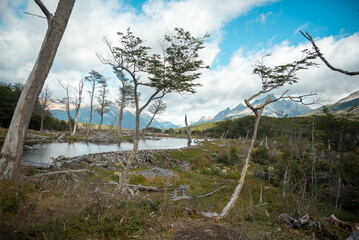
(43, 152)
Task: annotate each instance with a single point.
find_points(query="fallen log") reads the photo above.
(348, 226)
(144, 188)
(60, 172)
(183, 189)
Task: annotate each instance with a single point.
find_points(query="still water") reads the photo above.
(43, 152)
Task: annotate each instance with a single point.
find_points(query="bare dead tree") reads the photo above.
(43, 99)
(157, 107)
(78, 103)
(321, 56)
(67, 100)
(15, 138)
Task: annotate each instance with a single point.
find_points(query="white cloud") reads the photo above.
(301, 28)
(229, 85)
(21, 38)
(262, 18)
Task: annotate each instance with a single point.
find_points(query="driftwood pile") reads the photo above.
(320, 231)
(144, 158)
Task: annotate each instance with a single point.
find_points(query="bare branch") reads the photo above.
(43, 8)
(35, 15)
(317, 50)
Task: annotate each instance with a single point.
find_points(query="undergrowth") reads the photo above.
(85, 206)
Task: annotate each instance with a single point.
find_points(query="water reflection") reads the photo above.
(43, 152)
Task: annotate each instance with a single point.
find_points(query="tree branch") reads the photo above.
(34, 15)
(43, 8)
(317, 50)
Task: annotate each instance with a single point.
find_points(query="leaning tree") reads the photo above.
(272, 78)
(157, 107)
(172, 71)
(14, 142)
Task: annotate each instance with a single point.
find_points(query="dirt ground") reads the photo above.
(200, 229)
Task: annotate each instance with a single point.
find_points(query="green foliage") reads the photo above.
(228, 156)
(9, 95)
(261, 155)
(182, 62)
(137, 179)
(103, 102)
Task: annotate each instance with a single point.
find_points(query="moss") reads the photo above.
(137, 179)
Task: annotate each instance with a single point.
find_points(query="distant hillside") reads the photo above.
(280, 108)
(57, 109)
(349, 104)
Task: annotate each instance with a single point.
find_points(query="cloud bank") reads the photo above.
(21, 37)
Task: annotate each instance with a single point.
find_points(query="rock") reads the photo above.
(354, 235)
(157, 172)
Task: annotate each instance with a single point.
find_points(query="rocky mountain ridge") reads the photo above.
(58, 110)
(281, 108)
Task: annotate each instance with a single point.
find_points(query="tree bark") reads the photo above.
(188, 131)
(42, 121)
(239, 187)
(119, 127)
(91, 109)
(78, 105)
(13, 146)
(314, 162)
(123, 179)
(149, 123)
(99, 126)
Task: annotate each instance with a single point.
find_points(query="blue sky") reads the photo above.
(242, 31)
(275, 22)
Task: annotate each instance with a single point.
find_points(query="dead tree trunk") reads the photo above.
(123, 179)
(239, 187)
(14, 141)
(67, 105)
(314, 162)
(119, 126)
(78, 104)
(44, 96)
(188, 131)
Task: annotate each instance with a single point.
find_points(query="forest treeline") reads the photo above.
(311, 158)
(9, 96)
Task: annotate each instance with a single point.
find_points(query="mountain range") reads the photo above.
(57, 109)
(280, 108)
(349, 104)
(284, 107)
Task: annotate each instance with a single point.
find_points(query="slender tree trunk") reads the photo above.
(149, 123)
(68, 113)
(239, 187)
(99, 127)
(13, 146)
(314, 162)
(119, 127)
(78, 104)
(42, 121)
(188, 131)
(123, 179)
(91, 108)
(75, 121)
(285, 183)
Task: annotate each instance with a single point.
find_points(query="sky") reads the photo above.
(242, 32)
